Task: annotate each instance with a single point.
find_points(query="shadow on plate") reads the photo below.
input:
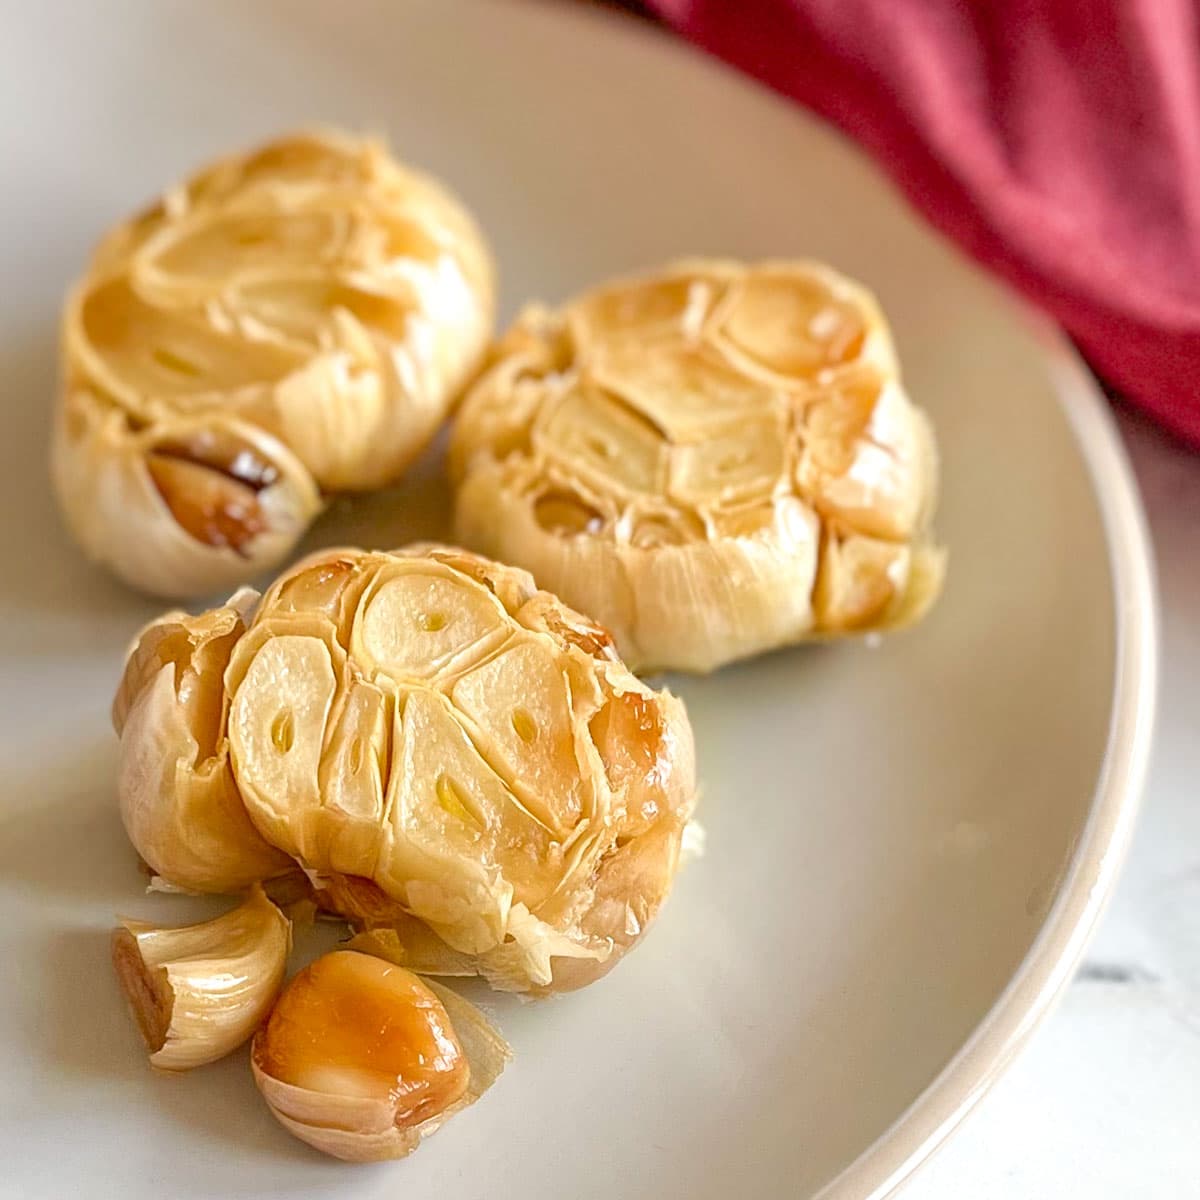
(417, 509)
(95, 1039)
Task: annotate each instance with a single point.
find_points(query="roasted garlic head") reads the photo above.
(362, 1059)
(713, 460)
(286, 323)
(426, 726)
(199, 991)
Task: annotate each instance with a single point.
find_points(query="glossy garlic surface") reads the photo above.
(284, 324)
(362, 1059)
(434, 740)
(353, 1025)
(713, 460)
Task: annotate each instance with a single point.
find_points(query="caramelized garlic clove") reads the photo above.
(197, 992)
(185, 505)
(361, 1059)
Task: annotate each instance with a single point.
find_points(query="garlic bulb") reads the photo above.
(429, 721)
(179, 801)
(199, 991)
(361, 1059)
(713, 460)
(434, 740)
(287, 323)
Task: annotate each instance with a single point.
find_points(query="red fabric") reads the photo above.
(1058, 141)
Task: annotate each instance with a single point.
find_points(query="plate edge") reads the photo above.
(1049, 965)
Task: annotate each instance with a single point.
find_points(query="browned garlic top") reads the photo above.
(712, 460)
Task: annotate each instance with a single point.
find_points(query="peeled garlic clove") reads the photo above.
(675, 454)
(437, 741)
(199, 991)
(286, 323)
(179, 801)
(361, 1059)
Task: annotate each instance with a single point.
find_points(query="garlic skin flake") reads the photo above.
(287, 323)
(712, 460)
(198, 992)
(361, 1059)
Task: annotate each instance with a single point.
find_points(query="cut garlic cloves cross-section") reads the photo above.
(198, 992)
(713, 460)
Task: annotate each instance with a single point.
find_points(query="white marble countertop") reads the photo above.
(1105, 1101)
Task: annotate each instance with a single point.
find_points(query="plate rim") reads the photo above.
(1088, 883)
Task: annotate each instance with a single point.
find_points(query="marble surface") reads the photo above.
(1105, 1101)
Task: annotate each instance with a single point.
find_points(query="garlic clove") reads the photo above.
(187, 505)
(197, 992)
(179, 800)
(361, 1059)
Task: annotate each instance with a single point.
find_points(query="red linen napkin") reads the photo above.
(1058, 141)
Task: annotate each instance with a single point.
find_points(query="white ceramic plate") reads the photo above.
(907, 845)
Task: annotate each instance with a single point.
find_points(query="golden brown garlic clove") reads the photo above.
(160, 507)
(362, 1059)
(211, 481)
(197, 992)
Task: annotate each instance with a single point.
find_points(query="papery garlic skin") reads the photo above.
(198, 992)
(287, 323)
(178, 798)
(713, 460)
(361, 1059)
